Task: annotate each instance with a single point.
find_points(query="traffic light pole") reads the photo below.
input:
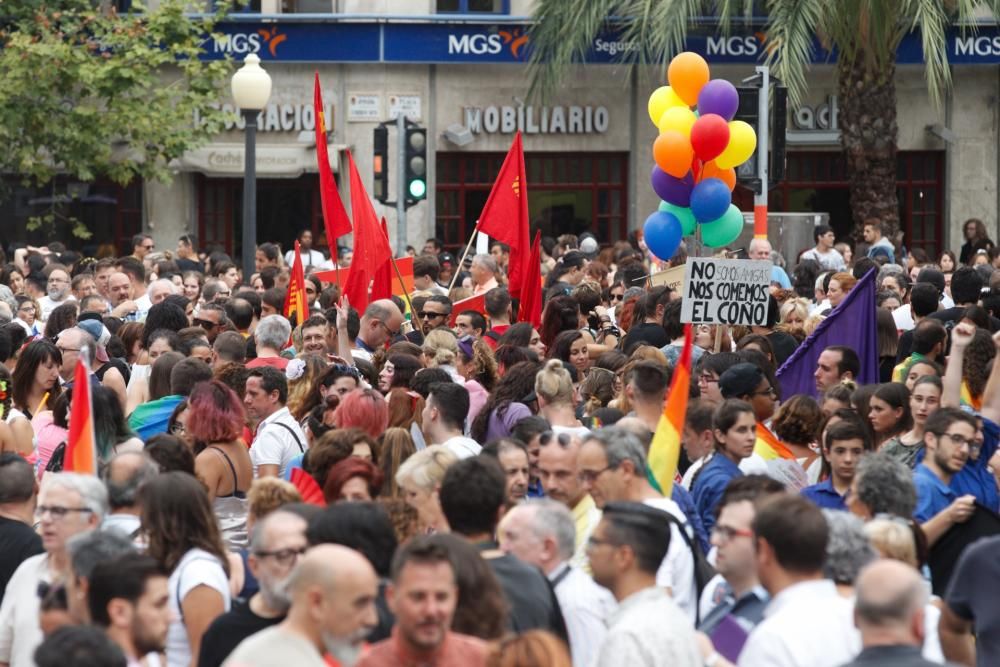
(763, 147)
(401, 185)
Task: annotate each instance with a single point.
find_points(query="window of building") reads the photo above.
(568, 193)
(473, 6)
(111, 213)
(817, 181)
(284, 207)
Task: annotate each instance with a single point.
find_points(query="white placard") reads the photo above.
(482, 244)
(409, 105)
(364, 107)
(726, 291)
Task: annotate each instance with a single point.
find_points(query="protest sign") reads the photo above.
(672, 278)
(725, 291)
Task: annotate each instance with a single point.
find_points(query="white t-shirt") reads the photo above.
(275, 443)
(677, 569)
(20, 633)
(309, 258)
(197, 568)
(48, 305)
(462, 447)
(831, 260)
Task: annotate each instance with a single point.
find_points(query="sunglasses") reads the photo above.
(617, 297)
(205, 324)
(563, 439)
(426, 314)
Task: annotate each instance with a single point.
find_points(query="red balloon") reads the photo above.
(709, 136)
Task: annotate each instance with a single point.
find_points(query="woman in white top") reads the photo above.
(183, 535)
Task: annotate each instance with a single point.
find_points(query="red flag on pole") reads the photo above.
(530, 308)
(371, 245)
(382, 284)
(335, 218)
(296, 302)
(505, 215)
(81, 443)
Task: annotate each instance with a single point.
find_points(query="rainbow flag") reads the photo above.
(81, 444)
(768, 447)
(665, 450)
(295, 299)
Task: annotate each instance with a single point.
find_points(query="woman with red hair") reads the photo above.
(364, 409)
(353, 480)
(215, 419)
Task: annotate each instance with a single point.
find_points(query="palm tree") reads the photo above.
(864, 33)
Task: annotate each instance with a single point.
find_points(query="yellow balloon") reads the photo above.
(678, 119)
(663, 98)
(742, 143)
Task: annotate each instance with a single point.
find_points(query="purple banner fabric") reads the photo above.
(852, 323)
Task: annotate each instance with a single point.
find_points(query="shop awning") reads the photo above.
(273, 160)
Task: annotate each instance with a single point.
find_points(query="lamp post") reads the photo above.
(251, 89)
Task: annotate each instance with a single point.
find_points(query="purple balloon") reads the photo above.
(677, 191)
(718, 96)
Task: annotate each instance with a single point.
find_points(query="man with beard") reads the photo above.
(332, 591)
(275, 545)
(128, 598)
(423, 596)
(57, 290)
(948, 436)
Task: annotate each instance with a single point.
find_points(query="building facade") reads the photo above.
(458, 68)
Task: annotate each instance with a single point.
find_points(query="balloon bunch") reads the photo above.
(696, 155)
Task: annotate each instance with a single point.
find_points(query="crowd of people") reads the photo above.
(415, 483)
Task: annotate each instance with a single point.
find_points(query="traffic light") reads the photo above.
(415, 165)
(746, 173)
(380, 164)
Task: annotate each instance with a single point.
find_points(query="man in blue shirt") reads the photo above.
(948, 437)
(845, 443)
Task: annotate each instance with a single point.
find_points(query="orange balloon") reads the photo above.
(673, 153)
(687, 74)
(712, 170)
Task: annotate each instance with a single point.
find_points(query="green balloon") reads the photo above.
(682, 213)
(723, 231)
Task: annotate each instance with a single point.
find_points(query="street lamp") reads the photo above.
(251, 90)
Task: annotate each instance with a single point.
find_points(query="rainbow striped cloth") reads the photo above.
(665, 450)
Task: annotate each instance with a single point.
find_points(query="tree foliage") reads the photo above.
(92, 93)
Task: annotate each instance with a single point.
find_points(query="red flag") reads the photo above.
(81, 443)
(335, 218)
(296, 302)
(382, 285)
(476, 303)
(505, 215)
(371, 245)
(530, 308)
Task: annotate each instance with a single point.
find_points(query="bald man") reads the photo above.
(761, 249)
(332, 590)
(889, 612)
(380, 324)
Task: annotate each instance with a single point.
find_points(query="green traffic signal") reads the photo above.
(417, 188)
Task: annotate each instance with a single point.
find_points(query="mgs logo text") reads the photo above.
(244, 43)
(488, 43)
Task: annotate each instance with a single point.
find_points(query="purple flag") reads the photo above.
(852, 323)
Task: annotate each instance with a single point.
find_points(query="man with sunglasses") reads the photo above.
(379, 325)
(212, 318)
(142, 245)
(434, 313)
(68, 504)
(949, 435)
(276, 543)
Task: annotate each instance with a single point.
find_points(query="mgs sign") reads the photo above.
(244, 43)
(746, 45)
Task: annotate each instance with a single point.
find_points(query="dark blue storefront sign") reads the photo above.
(295, 40)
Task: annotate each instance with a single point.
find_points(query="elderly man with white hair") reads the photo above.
(543, 533)
(68, 504)
(761, 249)
(484, 274)
(157, 291)
(271, 336)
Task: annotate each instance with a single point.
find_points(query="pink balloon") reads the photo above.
(709, 136)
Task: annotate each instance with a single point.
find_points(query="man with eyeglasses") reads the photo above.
(68, 504)
(212, 318)
(379, 325)
(949, 435)
(276, 543)
(434, 313)
(612, 468)
(735, 591)
(57, 290)
(142, 245)
(648, 629)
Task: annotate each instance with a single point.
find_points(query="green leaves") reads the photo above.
(94, 94)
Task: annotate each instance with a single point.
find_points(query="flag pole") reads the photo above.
(465, 254)
(399, 277)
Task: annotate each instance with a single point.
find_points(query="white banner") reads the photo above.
(726, 291)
